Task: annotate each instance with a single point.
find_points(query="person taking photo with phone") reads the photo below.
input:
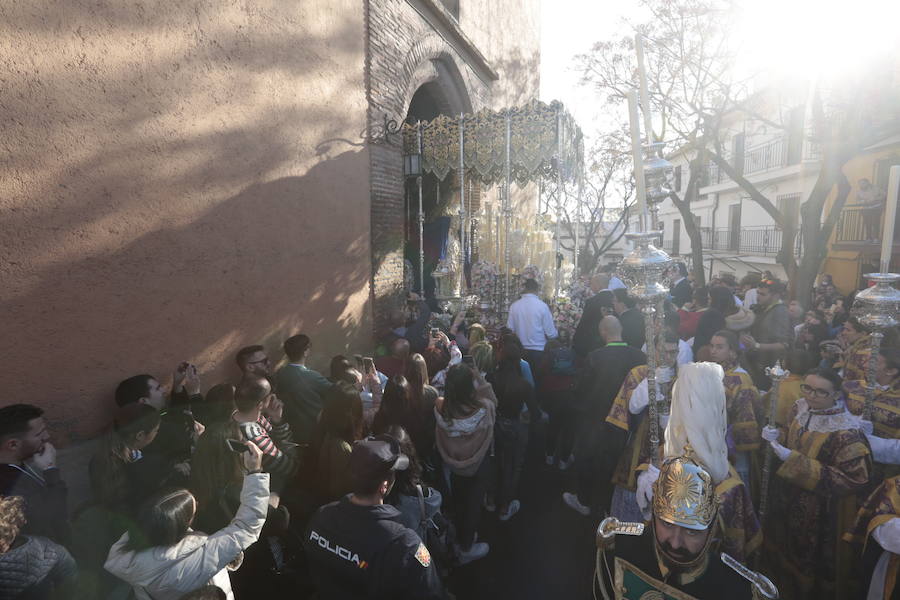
(162, 556)
(259, 416)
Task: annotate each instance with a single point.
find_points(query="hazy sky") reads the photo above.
(570, 27)
(782, 38)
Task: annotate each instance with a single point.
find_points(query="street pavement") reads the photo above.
(546, 551)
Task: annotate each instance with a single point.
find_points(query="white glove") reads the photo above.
(639, 399)
(664, 374)
(644, 493)
(866, 426)
(780, 451)
(770, 434)
(663, 421)
(888, 535)
(884, 450)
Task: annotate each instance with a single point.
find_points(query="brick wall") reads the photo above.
(403, 52)
(406, 47)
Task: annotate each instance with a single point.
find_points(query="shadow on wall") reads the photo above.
(165, 199)
(520, 79)
(274, 259)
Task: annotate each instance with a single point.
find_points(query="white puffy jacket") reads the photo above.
(167, 573)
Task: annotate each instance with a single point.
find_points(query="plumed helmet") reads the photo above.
(684, 494)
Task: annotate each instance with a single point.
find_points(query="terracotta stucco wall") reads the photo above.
(508, 33)
(178, 179)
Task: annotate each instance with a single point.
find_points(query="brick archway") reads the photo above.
(431, 60)
(428, 60)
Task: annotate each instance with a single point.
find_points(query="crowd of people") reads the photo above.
(372, 480)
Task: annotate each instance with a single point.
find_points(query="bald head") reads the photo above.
(600, 281)
(400, 348)
(610, 329)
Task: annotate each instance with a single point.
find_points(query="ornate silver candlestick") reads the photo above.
(878, 309)
(643, 271)
(658, 182)
(777, 375)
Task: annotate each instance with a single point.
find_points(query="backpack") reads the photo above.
(563, 362)
(439, 536)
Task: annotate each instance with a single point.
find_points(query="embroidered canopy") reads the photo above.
(543, 143)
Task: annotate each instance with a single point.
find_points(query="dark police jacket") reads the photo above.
(362, 552)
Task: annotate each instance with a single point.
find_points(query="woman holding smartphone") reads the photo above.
(465, 429)
(161, 556)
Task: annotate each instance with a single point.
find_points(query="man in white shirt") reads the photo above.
(615, 283)
(530, 319)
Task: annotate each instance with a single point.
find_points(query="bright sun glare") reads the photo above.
(817, 38)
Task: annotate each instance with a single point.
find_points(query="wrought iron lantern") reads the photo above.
(412, 165)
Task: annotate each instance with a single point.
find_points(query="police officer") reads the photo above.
(355, 546)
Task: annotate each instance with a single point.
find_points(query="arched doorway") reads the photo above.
(443, 95)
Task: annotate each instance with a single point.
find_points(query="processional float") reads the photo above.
(537, 142)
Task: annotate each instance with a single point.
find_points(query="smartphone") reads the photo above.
(236, 446)
(469, 360)
(435, 332)
(359, 362)
(368, 364)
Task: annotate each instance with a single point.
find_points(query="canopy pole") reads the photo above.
(577, 227)
(462, 206)
(507, 212)
(421, 217)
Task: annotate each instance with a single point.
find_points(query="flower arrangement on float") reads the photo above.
(409, 278)
(579, 291)
(485, 275)
(533, 272)
(566, 315)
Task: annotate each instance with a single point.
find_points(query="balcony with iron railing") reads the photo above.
(756, 241)
(772, 155)
(860, 228)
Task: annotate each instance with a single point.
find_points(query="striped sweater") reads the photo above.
(279, 451)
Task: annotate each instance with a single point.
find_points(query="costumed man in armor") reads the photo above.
(825, 464)
(679, 556)
(698, 418)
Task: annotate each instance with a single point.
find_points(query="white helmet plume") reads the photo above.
(698, 417)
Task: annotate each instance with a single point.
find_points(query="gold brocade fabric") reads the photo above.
(814, 499)
(881, 506)
(885, 407)
(855, 362)
(741, 396)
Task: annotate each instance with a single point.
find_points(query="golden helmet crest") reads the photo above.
(684, 494)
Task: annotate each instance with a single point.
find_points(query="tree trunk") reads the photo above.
(687, 217)
(787, 257)
(817, 235)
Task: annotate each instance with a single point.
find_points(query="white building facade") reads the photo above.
(738, 235)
